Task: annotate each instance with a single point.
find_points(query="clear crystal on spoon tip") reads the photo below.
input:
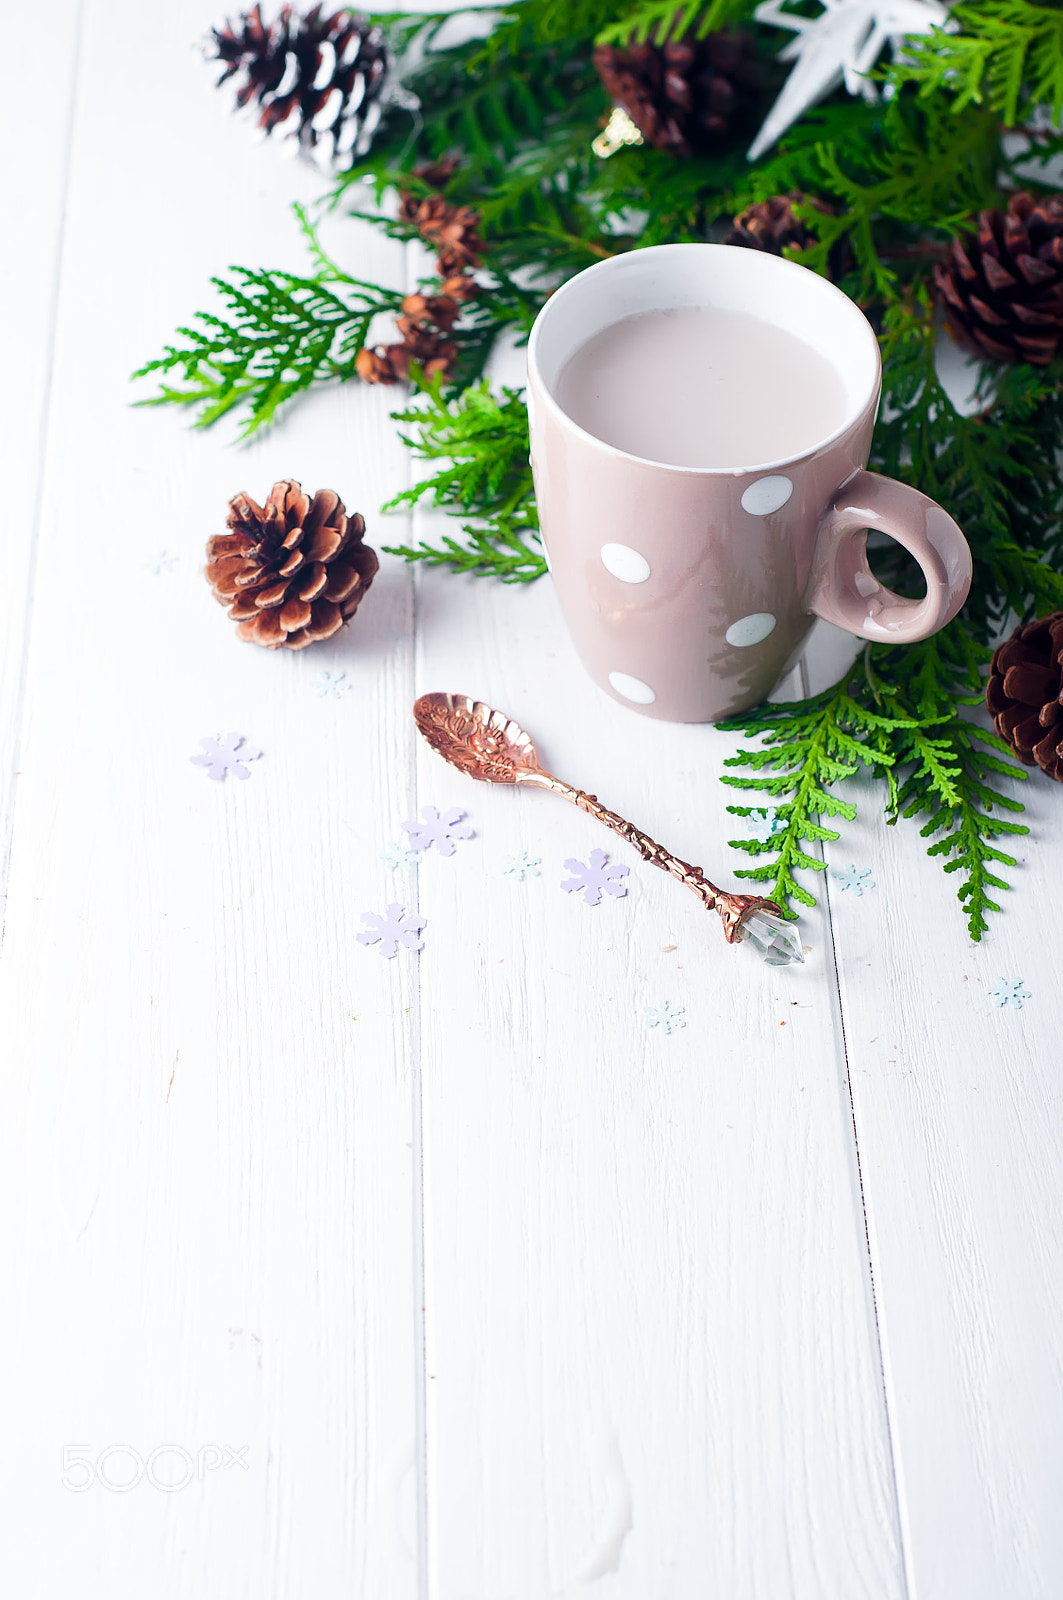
(778, 941)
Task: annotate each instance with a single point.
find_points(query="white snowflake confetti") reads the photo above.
(842, 44)
(399, 857)
(762, 825)
(437, 829)
(331, 685)
(521, 866)
(162, 561)
(855, 878)
(1009, 992)
(590, 880)
(666, 1016)
(392, 930)
(222, 756)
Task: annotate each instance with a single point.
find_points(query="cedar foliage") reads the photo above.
(901, 175)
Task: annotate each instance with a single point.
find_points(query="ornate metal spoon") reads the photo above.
(488, 745)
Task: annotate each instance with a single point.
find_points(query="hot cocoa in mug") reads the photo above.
(701, 417)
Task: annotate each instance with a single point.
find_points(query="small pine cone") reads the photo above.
(374, 366)
(772, 227)
(437, 174)
(429, 310)
(390, 363)
(317, 78)
(1024, 695)
(291, 571)
(431, 353)
(687, 97)
(451, 230)
(461, 286)
(1002, 292)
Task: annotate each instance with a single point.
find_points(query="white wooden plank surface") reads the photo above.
(649, 1311)
(207, 1174)
(496, 1293)
(959, 1116)
(34, 198)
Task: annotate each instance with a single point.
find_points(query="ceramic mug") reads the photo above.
(688, 591)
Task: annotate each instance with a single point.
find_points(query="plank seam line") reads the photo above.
(420, 1222)
(420, 1297)
(8, 843)
(909, 1577)
(906, 1567)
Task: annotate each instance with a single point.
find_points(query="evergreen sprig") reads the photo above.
(1006, 54)
(282, 334)
(662, 20)
(806, 747)
(481, 447)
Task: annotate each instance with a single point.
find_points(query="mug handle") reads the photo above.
(842, 588)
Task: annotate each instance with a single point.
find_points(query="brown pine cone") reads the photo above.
(390, 363)
(1002, 292)
(451, 230)
(437, 174)
(1024, 695)
(319, 78)
(423, 322)
(772, 227)
(432, 353)
(291, 571)
(460, 286)
(428, 310)
(687, 97)
(374, 366)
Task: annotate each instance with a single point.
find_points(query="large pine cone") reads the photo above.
(318, 78)
(1002, 292)
(687, 97)
(291, 571)
(771, 226)
(1024, 694)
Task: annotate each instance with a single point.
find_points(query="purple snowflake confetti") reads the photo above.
(590, 880)
(438, 829)
(221, 756)
(392, 930)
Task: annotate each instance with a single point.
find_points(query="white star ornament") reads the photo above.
(841, 44)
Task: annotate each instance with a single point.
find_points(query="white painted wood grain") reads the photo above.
(34, 194)
(959, 1116)
(651, 1344)
(208, 1171)
(229, 1134)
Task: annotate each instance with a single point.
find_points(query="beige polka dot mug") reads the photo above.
(688, 590)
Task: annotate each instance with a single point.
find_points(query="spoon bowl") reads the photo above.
(479, 741)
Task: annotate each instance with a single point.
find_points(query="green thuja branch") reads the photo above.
(1006, 53)
(480, 448)
(661, 20)
(806, 748)
(281, 333)
(950, 766)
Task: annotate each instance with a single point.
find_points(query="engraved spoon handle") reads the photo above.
(730, 907)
